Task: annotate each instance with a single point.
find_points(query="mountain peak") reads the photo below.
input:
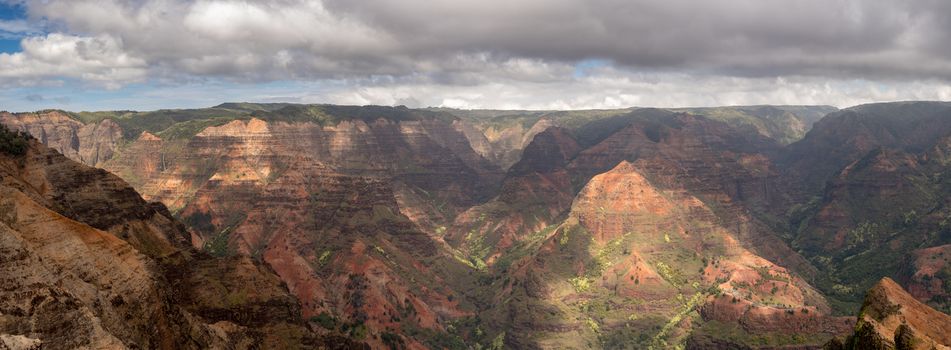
(891, 318)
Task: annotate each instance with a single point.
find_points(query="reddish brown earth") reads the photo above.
(533, 194)
(927, 275)
(732, 171)
(881, 176)
(91, 144)
(656, 255)
(324, 207)
(398, 228)
(503, 145)
(893, 319)
(716, 162)
(87, 263)
(929, 262)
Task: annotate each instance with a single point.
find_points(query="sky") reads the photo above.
(501, 54)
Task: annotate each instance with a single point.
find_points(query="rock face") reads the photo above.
(87, 263)
(91, 144)
(304, 225)
(535, 192)
(632, 264)
(880, 192)
(501, 136)
(893, 319)
(926, 275)
(785, 124)
(418, 154)
(339, 212)
(713, 160)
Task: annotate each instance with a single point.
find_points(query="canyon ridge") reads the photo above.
(247, 226)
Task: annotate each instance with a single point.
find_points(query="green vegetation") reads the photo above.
(435, 339)
(217, 245)
(735, 334)
(660, 340)
(567, 285)
(200, 221)
(498, 343)
(13, 143)
(526, 246)
(175, 124)
(392, 341)
(476, 248)
(905, 338)
(356, 330)
(378, 215)
(669, 274)
(785, 124)
(883, 225)
(325, 320)
(187, 129)
(134, 123)
(324, 258)
(498, 120)
(581, 283)
(596, 131)
(942, 302)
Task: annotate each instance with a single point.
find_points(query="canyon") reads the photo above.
(322, 226)
(87, 263)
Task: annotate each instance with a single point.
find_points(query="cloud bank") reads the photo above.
(494, 53)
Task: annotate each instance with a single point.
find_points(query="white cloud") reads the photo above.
(493, 53)
(17, 26)
(613, 88)
(98, 60)
(604, 88)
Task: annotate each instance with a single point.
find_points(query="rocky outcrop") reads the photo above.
(84, 288)
(397, 226)
(893, 319)
(635, 258)
(143, 159)
(502, 143)
(87, 263)
(350, 204)
(96, 198)
(92, 144)
(878, 173)
(418, 153)
(847, 135)
(534, 193)
(323, 207)
(785, 124)
(732, 171)
(712, 159)
(500, 136)
(926, 275)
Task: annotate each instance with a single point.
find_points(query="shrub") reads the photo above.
(13, 143)
(393, 341)
(325, 320)
(359, 332)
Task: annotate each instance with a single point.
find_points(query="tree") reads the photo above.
(13, 143)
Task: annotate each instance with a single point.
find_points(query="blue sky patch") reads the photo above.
(9, 46)
(9, 34)
(583, 68)
(8, 11)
